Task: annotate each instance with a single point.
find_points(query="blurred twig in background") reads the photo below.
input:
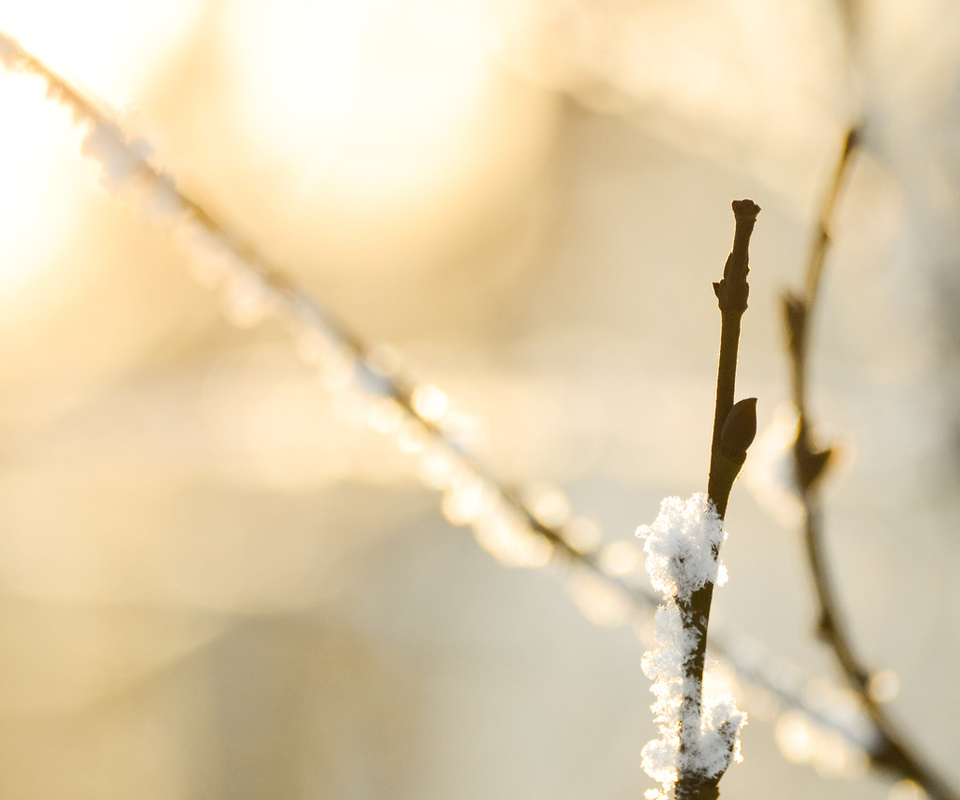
(891, 750)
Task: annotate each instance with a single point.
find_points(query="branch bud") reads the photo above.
(739, 430)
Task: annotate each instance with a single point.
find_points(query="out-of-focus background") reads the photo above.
(214, 585)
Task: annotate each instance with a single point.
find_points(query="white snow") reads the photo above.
(682, 544)
(682, 549)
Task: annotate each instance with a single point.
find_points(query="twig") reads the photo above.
(891, 751)
(734, 427)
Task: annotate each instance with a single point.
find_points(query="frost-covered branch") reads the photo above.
(699, 738)
(520, 526)
(889, 750)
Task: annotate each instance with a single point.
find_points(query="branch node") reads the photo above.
(732, 290)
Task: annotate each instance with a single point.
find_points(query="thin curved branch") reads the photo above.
(892, 752)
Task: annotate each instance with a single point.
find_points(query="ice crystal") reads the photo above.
(682, 545)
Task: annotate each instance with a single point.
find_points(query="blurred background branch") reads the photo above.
(892, 751)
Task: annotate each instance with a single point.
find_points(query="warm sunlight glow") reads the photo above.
(430, 403)
(108, 46)
(39, 172)
(583, 534)
(548, 504)
(598, 601)
(207, 528)
(367, 95)
(503, 534)
(620, 557)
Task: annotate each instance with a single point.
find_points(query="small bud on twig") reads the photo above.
(739, 430)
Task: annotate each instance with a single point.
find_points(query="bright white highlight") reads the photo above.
(430, 403)
(682, 549)
(382, 96)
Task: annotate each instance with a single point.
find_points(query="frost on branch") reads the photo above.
(682, 549)
(682, 546)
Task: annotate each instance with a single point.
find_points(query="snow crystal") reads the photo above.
(682, 549)
(673, 641)
(719, 743)
(682, 545)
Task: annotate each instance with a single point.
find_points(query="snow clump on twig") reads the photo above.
(682, 549)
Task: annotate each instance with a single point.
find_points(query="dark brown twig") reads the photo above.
(734, 426)
(892, 752)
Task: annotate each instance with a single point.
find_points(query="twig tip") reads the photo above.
(745, 209)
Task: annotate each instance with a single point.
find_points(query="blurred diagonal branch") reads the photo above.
(126, 164)
(891, 752)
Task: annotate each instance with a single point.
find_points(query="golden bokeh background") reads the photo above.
(215, 584)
